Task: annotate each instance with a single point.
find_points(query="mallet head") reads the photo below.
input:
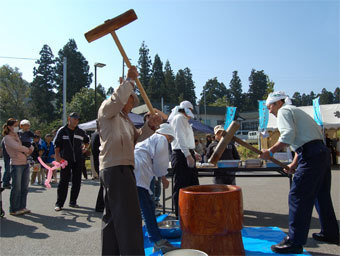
(111, 25)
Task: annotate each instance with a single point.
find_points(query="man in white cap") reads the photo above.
(122, 222)
(183, 155)
(152, 159)
(312, 180)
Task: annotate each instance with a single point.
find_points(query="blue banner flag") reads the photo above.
(229, 116)
(263, 115)
(317, 113)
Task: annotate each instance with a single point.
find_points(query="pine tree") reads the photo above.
(337, 95)
(189, 92)
(156, 88)
(169, 83)
(180, 85)
(236, 96)
(257, 88)
(42, 94)
(78, 75)
(144, 66)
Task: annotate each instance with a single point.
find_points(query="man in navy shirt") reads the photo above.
(69, 143)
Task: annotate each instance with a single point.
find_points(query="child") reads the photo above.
(48, 154)
(36, 167)
(25, 135)
(152, 159)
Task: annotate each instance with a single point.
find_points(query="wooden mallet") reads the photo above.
(109, 27)
(228, 136)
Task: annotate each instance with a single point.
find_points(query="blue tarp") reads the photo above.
(256, 240)
(199, 127)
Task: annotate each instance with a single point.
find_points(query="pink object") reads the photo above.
(56, 165)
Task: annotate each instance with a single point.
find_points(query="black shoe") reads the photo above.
(74, 205)
(286, 246)
(321, 237)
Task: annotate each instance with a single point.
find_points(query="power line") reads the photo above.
(17, 58)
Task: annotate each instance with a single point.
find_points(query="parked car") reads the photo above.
(241, 134)
(253, 137)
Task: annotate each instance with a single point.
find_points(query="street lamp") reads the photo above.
(99, 65)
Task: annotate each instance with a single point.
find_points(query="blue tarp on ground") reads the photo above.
(256, 240)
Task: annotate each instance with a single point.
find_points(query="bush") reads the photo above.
(246, 153)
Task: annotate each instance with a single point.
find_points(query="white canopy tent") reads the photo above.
(330, 114)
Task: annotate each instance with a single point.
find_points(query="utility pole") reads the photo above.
(64, 90)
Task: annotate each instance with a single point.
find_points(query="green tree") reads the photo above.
(169, 83)
(180, 84)
(270, 88)
(83, 103)
(296, 99)
(78, 75)
(337, 95)
(110, 91)
(144, 66)
(213, 91)
(156, 88)
(326, 97)
(257, 88)
(14, 92)
(236, 98)
(42, 94)
(189, 92)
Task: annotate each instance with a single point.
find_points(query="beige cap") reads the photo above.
(218, 128)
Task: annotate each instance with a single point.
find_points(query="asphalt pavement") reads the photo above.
(76, 231)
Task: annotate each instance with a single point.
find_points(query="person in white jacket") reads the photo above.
(152, 159)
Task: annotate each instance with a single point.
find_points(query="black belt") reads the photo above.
(308, 144)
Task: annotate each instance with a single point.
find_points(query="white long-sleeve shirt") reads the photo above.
(151, 159)
(184, 139)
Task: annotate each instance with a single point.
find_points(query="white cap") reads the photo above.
(186, 104)
(218, 128)
(166, 129)
(276, 96)
(25, 121)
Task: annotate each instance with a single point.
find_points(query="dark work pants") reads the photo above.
(122, 221)
(184, 176)
(71, 172)
(100, 197)
(221, 178)
(311, 185)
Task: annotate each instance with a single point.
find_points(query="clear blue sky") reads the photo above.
(296, 43)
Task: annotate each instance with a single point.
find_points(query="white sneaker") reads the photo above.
(163, 245)
(57, 209)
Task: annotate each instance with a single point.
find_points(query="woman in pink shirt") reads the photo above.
(19, 167)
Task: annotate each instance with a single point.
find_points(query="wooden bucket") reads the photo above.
(211, 218)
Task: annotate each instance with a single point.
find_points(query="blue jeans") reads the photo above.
(148, 212)
(19, 191)
(155, 187)
(7, 173)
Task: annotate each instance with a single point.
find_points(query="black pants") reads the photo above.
(100, 198)
(221, 178)
(71, 171)
(184, 176)
(122, 221)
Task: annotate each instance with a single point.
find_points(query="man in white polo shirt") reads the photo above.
(312, 174)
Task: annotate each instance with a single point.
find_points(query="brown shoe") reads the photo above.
(17, 213)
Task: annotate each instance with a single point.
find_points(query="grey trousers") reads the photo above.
(122, 222)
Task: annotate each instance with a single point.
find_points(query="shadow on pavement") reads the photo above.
(11, 228)
(266, 219)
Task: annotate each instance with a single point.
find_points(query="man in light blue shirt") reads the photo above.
(312, 175)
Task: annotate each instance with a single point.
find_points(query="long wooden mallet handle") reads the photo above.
(127, 61)
(250, 147)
